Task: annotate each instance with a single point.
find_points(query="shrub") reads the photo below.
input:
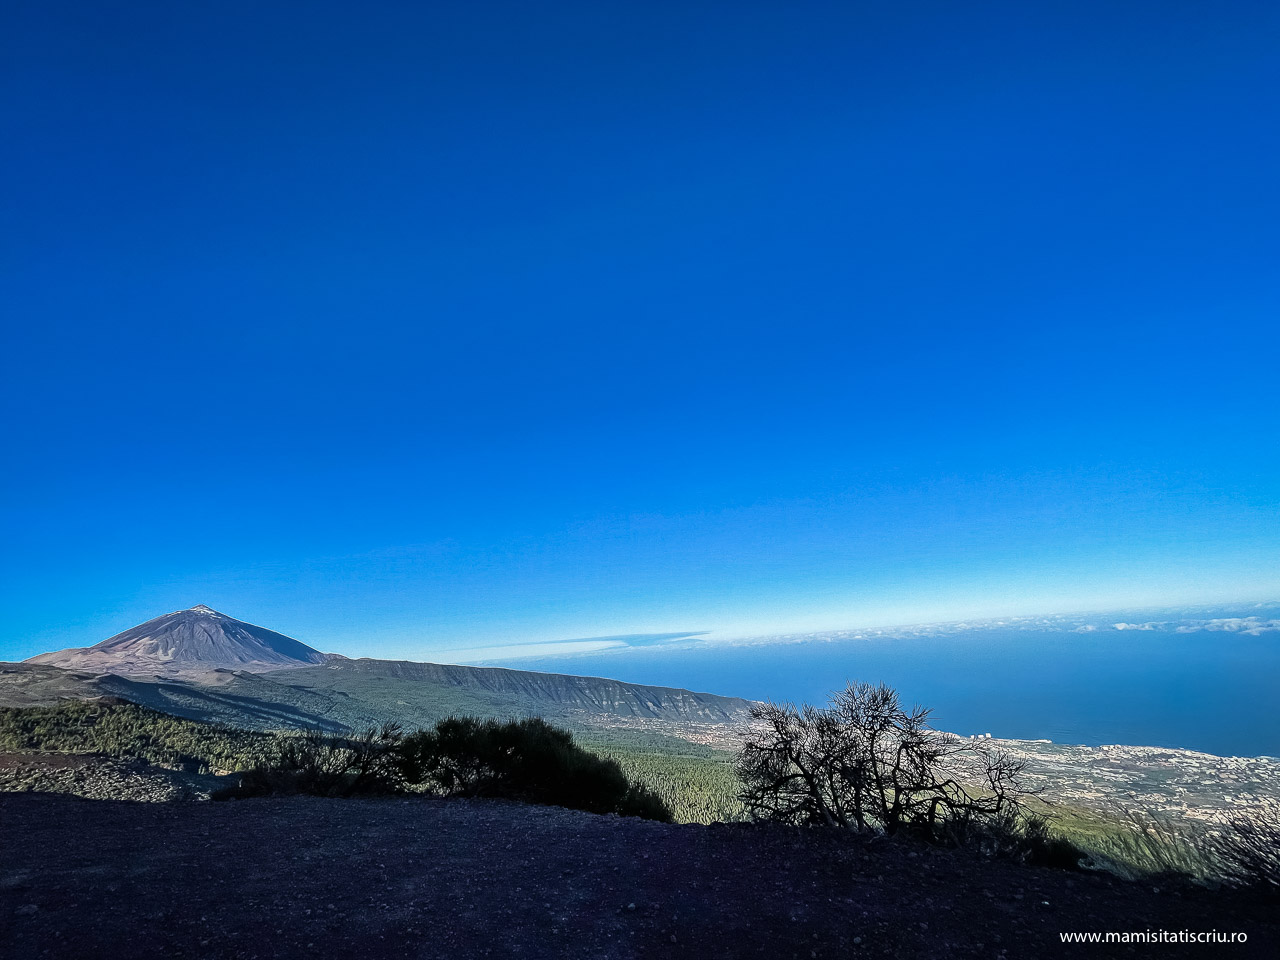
(1146, 843)
(1246, 851)
(1039, 845)
(527, 760)
(325, 766)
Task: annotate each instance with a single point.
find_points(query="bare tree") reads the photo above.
(865, 763)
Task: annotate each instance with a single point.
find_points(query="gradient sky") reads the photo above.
(402, 327)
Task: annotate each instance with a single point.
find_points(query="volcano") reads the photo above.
(188, 641)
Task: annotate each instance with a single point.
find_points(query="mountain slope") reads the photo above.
(348, 695)
(514, 691)
(204, 665)
(246, 700)
(186, 642)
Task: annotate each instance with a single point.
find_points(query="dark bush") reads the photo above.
(526, 760)
(1037, 844)
(326, 766)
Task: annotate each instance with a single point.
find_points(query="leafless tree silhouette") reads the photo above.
(865, 763)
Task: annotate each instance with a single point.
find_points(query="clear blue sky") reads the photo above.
(400, 327)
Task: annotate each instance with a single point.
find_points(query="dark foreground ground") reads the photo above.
(428, 878)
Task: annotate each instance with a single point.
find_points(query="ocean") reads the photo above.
(1215, 692)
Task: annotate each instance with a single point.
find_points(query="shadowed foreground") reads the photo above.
(305, 877)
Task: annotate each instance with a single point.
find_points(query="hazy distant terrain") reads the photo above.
(1199, 678)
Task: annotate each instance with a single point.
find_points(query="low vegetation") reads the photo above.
(1246, 850)
(322, 765)
(526, 760)
(1138, 843)
(1242, 852)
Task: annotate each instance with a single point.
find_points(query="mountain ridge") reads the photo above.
(204, 665)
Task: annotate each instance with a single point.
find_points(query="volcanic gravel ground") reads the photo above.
(428, 878)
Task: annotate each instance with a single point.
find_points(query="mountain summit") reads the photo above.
(187, 641)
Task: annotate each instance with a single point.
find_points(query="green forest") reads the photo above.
(121, 729)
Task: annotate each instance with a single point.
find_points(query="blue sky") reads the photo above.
(404, 328)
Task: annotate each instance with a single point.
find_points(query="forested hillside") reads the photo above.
(696, 782)
(113, 728)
